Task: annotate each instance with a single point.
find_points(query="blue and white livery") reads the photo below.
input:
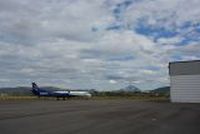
(40, 92)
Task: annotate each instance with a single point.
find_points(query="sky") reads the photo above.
(100, 44)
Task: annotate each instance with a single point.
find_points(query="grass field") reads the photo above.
(139, 98)
(18, 98)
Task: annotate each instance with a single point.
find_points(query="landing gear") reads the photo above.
(57, 98)
(63, 98)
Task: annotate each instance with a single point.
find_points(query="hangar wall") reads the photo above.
(185, 81)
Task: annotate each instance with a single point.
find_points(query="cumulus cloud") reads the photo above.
(103, 44)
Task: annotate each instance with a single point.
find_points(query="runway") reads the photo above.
(98, 117)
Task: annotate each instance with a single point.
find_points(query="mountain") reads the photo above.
(162, 90)
(130, 88)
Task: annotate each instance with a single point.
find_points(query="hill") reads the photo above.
(16, 90)
(162, 90)
(130, 88)
(21, 90)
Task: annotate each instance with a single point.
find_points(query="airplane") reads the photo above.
(40, 92)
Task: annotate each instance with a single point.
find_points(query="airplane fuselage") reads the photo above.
(59, 93)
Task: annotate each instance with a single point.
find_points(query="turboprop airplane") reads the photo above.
(40, 92)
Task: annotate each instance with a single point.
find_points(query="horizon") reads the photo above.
(99, 90)
(100, 44)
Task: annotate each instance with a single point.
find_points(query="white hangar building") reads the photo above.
(185, 81)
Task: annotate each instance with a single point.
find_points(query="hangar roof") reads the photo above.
(184, 68)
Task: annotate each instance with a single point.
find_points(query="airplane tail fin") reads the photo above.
(35, 89)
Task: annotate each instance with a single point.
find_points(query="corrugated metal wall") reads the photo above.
(185, 88)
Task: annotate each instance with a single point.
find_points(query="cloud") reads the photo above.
(103, 44)
(113, 81)
(33, 22)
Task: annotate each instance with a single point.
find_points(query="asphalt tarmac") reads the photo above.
(98, 117)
